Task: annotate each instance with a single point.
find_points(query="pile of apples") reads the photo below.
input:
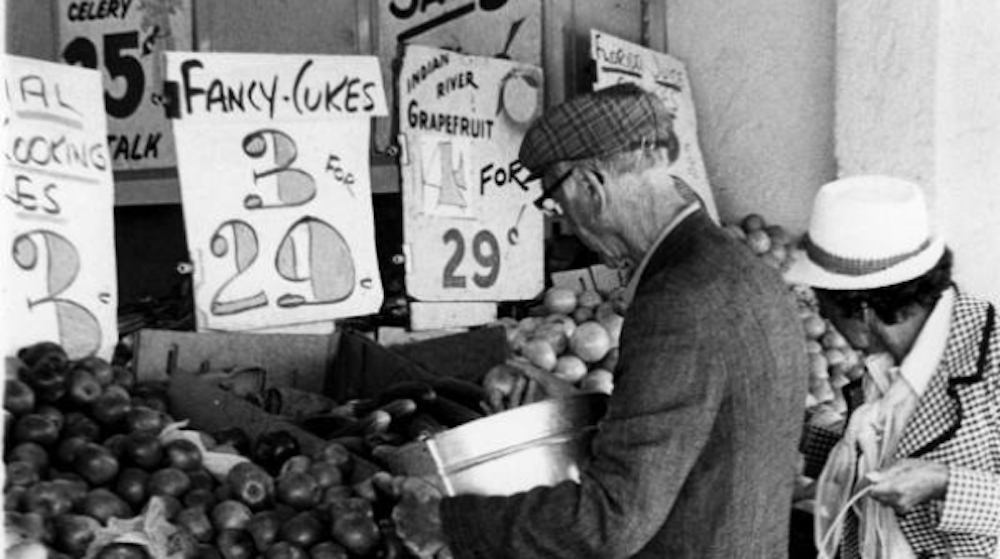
(771, 242)
(833, 363)
(86, 444)
(572, 335)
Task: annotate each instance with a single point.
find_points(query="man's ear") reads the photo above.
(595, 187)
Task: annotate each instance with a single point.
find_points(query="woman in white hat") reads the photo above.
(915, 472)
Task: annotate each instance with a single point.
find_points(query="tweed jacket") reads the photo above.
(696, 455)
(957, 422)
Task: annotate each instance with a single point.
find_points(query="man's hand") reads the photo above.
(418, 518)
(909, 483)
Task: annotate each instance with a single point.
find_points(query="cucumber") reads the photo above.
(449, 412)
(462, 391)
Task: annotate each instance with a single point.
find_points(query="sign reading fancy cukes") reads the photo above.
(471, 230)
(57, 245)
(272, 155)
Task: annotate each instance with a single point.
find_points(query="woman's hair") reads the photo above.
(892, 304)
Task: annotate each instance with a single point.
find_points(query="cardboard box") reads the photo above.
(345, 365)
(295, 360)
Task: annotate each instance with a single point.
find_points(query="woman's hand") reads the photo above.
(909, 483)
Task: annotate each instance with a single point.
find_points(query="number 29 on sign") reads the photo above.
(485, 252)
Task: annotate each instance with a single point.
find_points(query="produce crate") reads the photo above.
(343, 366)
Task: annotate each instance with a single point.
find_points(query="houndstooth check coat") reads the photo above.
(957, 422)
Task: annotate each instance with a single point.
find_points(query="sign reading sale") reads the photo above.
(272, 154)
(124, 39)
(57, 270)
(471, 231)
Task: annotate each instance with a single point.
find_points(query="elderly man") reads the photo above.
(696, 456)
(921, 452)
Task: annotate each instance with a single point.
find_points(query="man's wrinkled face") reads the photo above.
(583, 213)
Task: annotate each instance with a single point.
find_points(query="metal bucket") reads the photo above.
(542, 443)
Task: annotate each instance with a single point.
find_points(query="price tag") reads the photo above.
(125, 39)
(272, 154)
(617, 61)
(502, 28)
(471, 230)
(57, 269)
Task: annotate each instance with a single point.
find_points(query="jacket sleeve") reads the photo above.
(972, 503)
(665, 401)
(817, 443)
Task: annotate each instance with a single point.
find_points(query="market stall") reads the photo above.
(358, 283)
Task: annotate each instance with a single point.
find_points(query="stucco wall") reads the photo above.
(918, 95)
(762, 73)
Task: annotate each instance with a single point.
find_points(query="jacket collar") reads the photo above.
(939, 413)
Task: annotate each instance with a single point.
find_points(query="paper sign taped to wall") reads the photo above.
(57, 269)
(272, 154)
(125, 40)
(471, 231)
(617, 61)
(495, 28)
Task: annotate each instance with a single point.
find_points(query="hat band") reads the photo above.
(856, 266)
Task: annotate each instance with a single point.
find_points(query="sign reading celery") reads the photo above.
(272, 154)
(125, 39)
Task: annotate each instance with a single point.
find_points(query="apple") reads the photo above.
(103, 505)
(264, 527)
(96, 366)
(170, 482)
(196, 522)
(131, 486)
(84, 388)
(303, 529)
(74, 532)
(18, 397)
(251, 484)
(183, 454)
(230, 515)
(96, 464)
(299, 490)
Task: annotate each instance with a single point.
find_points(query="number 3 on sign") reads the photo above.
(485, 251)
(56, 257)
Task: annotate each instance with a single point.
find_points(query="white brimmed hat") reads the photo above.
(866, 232)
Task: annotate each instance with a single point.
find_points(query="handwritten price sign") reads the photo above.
(57, 271)
(273, 161)
(503, 28)
(124, 39)
(617, 61)
(471, 231)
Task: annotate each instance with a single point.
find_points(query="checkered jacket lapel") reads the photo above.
(938, 414)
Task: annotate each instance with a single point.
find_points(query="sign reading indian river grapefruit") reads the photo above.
(471, 232)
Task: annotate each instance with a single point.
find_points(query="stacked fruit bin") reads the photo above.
(96, 466)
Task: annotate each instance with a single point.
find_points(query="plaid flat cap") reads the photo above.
(597, 124)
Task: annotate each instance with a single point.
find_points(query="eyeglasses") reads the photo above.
(545, 203)
(551, 208)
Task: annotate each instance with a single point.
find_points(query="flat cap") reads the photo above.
(608, 121)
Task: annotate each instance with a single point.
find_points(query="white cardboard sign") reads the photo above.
(57, 270)
(617, 61)
(125, 39)
(272, 155)
(506, 28)
(471, 231)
